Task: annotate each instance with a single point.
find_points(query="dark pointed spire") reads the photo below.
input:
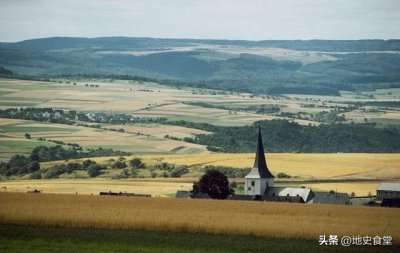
(260, 168)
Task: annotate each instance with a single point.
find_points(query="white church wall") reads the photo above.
(257, 186)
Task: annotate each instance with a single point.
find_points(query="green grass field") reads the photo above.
(150, 140)
(11, 146)
(19, 239)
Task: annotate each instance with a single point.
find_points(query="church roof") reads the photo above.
(260, 168)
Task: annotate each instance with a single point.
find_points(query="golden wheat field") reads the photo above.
(156, 187)
(308, 166)
(284, 220)
(301, 166)
(359, 188)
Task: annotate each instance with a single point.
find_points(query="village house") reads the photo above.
(389, 194)
(388, 191)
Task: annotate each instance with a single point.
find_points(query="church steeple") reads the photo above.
(260, 168)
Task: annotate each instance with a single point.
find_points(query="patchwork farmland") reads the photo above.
(155, 144)
(191, 104)
(138, 139)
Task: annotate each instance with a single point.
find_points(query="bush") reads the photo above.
(94, 170)
(87, 163)
(137, 163)
(36, 175)
(178, 172)
(50, 174)
(119, 165)
(74, 166)
(19, 165)
(56, 171)
(29, 168)
(165, 166)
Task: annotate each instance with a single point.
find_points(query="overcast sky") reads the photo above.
(212, 19)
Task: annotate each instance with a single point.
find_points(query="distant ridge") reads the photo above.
(270, 67)
(120, 42)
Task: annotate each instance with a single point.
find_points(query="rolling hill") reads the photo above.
(266, 67)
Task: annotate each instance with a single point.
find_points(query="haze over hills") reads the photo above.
(322, 67)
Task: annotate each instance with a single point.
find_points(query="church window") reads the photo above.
(253, 183)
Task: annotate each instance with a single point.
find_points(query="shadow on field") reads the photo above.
(60, 239)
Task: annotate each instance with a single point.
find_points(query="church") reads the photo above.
(259, 185)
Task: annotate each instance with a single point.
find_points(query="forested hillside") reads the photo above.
(267, 67)
(284, 136)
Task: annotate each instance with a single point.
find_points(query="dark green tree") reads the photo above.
(94, 170)
(137, 163)
(214, 183)
(119, 165)
(87, 163)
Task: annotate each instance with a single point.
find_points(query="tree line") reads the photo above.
(19, 165)
(285, 136)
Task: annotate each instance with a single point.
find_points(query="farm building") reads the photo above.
(332, 198)
(388, 191)
(304, 194)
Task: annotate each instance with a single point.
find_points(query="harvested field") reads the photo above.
(157, 188)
